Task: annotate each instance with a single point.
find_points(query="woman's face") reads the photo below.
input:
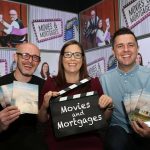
(72, 64)
(45, 68)
(100, 24)
(138, 59)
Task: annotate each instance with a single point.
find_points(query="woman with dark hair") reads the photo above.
(45, 71)
(103, 37)
(139, 59)
(71, 69)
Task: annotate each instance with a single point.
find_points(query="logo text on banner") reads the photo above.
(136, 11)
(47, 29)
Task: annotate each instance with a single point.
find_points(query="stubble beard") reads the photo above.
(24, 74)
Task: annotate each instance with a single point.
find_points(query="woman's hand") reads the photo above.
(47, 97)
(105, 102)
(43, 115)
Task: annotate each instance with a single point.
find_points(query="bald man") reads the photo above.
(17, 130)
(16, 23)
(8, 28)
(92, 27)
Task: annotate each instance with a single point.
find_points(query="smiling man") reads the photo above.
(9, 39)
(18, 130)
(27, 58)
(127, 77)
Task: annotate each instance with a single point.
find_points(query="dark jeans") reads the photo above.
(24, 141)
(118, 139)
(11, 40)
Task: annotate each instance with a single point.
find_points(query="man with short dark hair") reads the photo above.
(92, 27)
(127, 77)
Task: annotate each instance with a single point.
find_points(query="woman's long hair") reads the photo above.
(47, 73)
(141, 63)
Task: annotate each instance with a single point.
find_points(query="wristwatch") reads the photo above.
(110, 107)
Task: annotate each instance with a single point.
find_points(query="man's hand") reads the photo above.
(7, 116)
(141, 128)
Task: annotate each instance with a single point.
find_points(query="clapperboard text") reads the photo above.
(79, 116)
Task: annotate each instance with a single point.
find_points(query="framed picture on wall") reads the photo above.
(98, 23)
(13, 23)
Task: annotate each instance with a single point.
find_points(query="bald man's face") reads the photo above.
(93, 14)
(13, 15)
(28, 59)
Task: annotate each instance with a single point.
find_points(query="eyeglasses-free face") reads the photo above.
(125, 50)
(27, 56)
(76, 55)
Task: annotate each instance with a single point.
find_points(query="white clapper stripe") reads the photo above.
(74, 86)
(90, 93)
(62, 92)
(76, 96)
(63, 98)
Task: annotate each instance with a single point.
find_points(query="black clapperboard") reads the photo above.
(77, 113)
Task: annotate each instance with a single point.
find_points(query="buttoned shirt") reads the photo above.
(117, 84)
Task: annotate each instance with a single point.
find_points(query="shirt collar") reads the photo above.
(132, 71)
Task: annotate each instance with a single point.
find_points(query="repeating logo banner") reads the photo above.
(136, 11)
(47, 29)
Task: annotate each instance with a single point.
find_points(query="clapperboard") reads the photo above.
(76, 114)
